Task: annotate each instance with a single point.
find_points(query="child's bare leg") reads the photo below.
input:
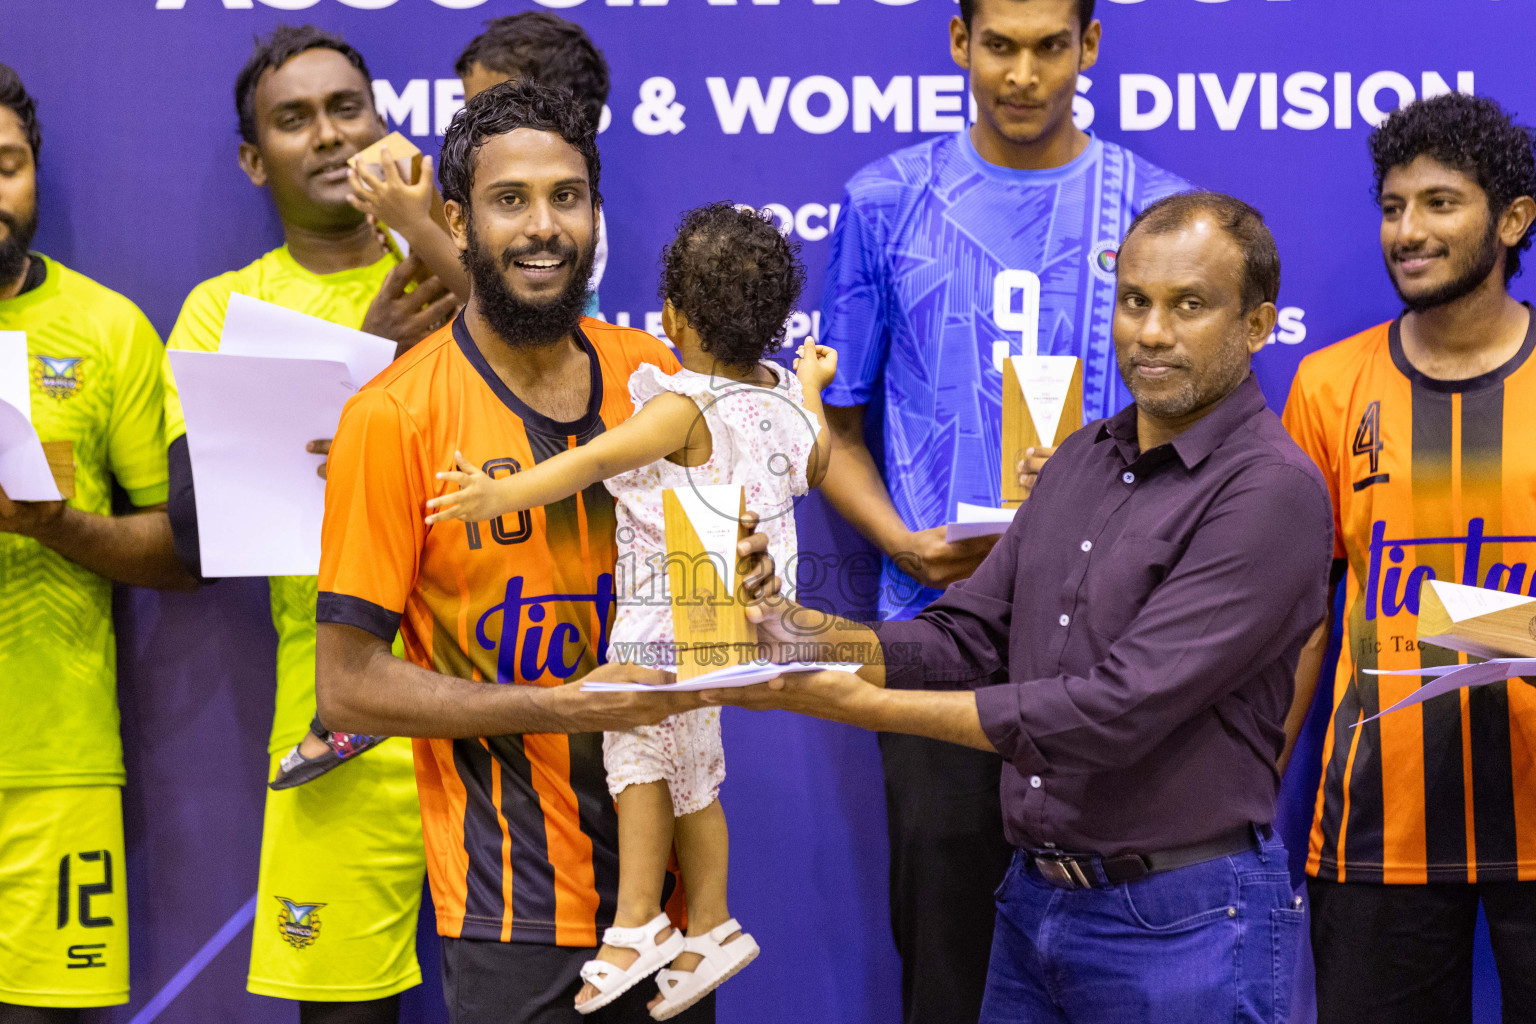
(645, 841)
(703, 854)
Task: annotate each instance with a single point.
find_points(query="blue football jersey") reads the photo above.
(932, 259)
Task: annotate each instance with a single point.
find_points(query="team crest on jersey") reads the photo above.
(1102, 260)
(59, 378)
(298, 923)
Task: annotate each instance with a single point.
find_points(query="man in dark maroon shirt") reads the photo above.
(1129, 648)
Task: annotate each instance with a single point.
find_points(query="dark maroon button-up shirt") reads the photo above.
(1133, 637)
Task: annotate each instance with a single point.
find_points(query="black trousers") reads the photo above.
(1402, 954)
(948, 856)
(528, 983)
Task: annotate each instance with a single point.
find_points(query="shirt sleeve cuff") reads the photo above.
(900, 643)
(151, 494)
(346, 610)
(1002, 722)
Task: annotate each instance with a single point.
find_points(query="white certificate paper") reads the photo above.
(1446, 678)
(728, 678)
(260, 501)
(256, 328)
(24, 472)
(978, 521)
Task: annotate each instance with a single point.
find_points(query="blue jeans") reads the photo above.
(1216, 941)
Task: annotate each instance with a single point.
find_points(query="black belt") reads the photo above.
(1090, 871)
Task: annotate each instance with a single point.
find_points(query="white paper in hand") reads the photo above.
(1447, 678)
(728, 678)
(24, 472)
(15, 378)
(256, 328)
(978, 521)
(260, 502)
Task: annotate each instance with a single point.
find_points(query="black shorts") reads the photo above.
(1402, 954)
(527, 983)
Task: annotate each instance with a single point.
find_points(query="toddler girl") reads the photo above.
(730, 281)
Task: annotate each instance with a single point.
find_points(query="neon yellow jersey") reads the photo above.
(341, 298)
(94, 361)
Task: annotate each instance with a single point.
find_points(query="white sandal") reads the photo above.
(681, 989)
(611, 980)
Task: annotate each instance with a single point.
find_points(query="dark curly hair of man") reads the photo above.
(735, 278)
(545, 48)
(1472, 134)
(503, 109)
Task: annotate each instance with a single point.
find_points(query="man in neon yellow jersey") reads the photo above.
(339, 886)
(93, 382)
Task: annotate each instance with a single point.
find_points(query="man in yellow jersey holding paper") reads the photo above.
(341, 858)
(91, 381)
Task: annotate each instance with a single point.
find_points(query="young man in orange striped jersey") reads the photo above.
(1423, 427)
(521, 834)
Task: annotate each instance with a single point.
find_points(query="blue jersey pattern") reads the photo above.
(912, 308)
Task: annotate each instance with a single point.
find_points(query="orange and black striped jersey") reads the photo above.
(1430, 479)
(520, 830)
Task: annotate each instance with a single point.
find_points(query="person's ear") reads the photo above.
(673, 323)
(1261, 324)
(252, 164)
(1517, 220)
(959, 42)
(458, 224)
(1090, 50)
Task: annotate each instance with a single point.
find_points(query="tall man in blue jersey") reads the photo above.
(917, 312)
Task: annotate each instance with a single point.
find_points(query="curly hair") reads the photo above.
(272, 52)
(13, 94)
(503, 109)
(545, 48)
(1472, 134)
(735, 278)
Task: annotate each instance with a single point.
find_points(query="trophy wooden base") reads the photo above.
(405, 153)
(1042, 404)
(1483, 623)
(61, 462)
(709, 617)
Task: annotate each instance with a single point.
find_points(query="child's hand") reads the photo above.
(475, 499)
(816, 365)
(391, 199)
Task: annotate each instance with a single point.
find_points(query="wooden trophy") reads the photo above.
(1042, 404)
(709, 617)
(61, 462)
(1484, 623)
(407, 157)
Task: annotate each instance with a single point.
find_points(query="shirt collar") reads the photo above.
(1198, 441)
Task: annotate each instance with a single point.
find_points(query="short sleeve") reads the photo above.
(1304, 421)
(1154, 183)
(647, 382)
(375, 501)
(136, 430)
(853, 315)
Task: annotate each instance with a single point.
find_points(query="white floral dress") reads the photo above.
(761, 438)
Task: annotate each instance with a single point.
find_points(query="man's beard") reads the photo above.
(1219, 380)
(13, 247)
(525, 324)
(1470, 276)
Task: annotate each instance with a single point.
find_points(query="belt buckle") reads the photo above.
(1061, 871)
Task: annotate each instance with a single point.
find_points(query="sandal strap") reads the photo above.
(637, 938)
(711, 940)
